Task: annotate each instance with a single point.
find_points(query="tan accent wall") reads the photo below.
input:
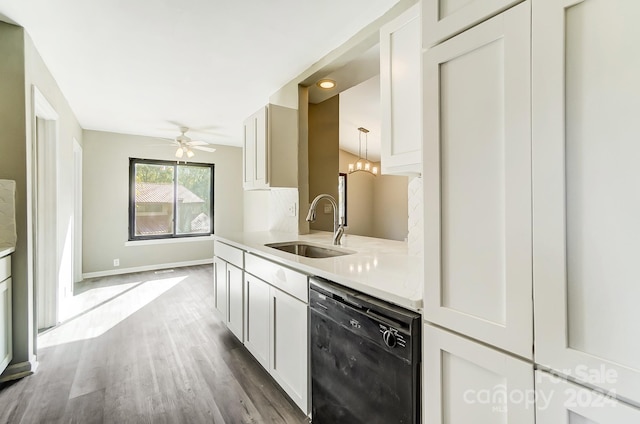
(376, 206)
(323, 157)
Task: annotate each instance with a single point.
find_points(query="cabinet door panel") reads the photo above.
(6, 350)
(289, 355)
(236, 304)
(586, 179)
(249, 153)
(220, 288)
(400, 82)
(562, 402)
(256, 319)
(466, 382)
(262, 148)
(477, 180)
(445, 18)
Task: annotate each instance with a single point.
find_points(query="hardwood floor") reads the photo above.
(155, 353)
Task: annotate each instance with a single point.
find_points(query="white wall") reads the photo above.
(106, 203)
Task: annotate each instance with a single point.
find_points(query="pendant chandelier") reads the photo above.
(363, 164)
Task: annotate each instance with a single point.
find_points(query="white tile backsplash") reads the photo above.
(415, 224)
(281, 203)
(7, 213)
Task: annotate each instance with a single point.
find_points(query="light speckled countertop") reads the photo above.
(381, 268)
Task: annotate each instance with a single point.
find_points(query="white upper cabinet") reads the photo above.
(465, 382)
(443, 19)
(400, 94)
(477, 183)
(561, 402)
(270, 153)
(586, 196)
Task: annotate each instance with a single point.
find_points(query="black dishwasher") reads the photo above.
(365, 358)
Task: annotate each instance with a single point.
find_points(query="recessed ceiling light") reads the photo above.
(327, 84)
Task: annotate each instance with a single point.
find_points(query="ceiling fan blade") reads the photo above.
(205, 149)
(197, 143)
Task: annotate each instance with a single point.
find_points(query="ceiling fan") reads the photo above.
(186, 144)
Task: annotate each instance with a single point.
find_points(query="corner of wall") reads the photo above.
(415, 225)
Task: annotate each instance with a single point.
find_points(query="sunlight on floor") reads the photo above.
(104, 317)
(91, 298)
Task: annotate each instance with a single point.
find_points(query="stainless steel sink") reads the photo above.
(308, 250)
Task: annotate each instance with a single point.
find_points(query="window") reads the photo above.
(169, 199)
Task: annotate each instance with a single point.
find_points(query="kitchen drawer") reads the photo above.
(230, 254)
(5, 267)
(287, 280)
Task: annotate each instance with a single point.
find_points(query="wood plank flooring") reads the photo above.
(155, 353)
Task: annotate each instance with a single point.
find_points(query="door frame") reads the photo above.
(44, 237)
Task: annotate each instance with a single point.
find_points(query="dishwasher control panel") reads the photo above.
(392, 337)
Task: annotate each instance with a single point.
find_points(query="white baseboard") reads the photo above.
(145, 268)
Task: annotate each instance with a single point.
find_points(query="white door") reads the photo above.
(256, 319)
(585, 189)
(477, 183)
(289, 339)
(235, 285)
(77, 211)
(444, 18)
(562, 402)
(465, 382)
(220, 288)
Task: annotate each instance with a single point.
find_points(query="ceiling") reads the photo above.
(130, 68)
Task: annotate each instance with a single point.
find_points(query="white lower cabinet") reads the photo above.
(276, 324)
(256, 319)
(467, 382)
(289, 349)
(228, 295)
(235, 305)
(6, 350)
(561, 402)
(220, 288)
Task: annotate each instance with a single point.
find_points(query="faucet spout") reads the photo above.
(338, 229)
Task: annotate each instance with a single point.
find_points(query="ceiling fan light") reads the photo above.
(189, 153)
(179, 152)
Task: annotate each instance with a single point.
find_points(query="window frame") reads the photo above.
(132, 201)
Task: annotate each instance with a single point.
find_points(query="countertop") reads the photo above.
(380, 268)
(6, 249)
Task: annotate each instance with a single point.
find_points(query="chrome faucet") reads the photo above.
(338, 229)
